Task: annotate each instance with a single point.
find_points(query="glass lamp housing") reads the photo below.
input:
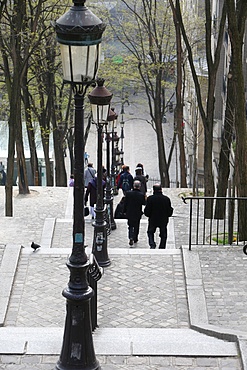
(100, 99)
(79, 33)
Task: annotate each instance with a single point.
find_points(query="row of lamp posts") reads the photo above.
(100, 99)
(79, 34)
(110, 180)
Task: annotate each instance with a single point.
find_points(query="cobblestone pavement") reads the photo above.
(36, 298)
(120, 295)
(124, 363)
(117, 239)
(224, 280)
(29, 213)
(162, 285)
(41, 277)
(39, 281)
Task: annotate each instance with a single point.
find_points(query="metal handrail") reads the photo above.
(218, 222)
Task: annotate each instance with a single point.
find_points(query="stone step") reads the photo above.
(122, 341)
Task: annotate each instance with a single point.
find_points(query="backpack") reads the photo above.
(119, 211)
(125, 183)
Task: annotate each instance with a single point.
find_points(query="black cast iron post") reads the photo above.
(109, 193)
(122, 132)
(100, 99)
(113, 160)
(108, 140)
(79, 34)
(77, 348)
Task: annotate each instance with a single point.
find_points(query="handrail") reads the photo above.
(222, 223)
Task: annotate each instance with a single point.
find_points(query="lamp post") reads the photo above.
(79, 34)
(122, 131)
(113, 157)
(109, 194)
(100, 99)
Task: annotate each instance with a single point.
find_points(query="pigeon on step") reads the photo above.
(35, 246)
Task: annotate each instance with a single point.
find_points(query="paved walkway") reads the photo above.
(157, 309)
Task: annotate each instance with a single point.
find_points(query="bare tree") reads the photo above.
(237, 14)
(226, 142)
(179, 99)
(13, 23)
(152, 47)
(46, 96)
(207, 114)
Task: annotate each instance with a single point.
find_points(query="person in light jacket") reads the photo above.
(89, 174)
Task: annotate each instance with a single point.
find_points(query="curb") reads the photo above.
(7, 273)
(197, 307)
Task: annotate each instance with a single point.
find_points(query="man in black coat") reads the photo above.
(158, 210)
(134, 200)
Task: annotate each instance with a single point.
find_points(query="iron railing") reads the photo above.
(217, 220)
(154, 180)
(173, 183)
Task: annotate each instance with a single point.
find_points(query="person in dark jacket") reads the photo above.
(119, 175)
(126, 180)
(142, 180)
(158, 210)
(134, 200)
(92, 191)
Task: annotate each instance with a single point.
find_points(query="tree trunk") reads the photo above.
(49, 174)
(241, 141)
(31, 135)
(60, 171)
(10, 164)
(194, 174)
(21, 167)
(208, 175)
(237, 14)
(21, 162)
(179, 106)
(163, 167)
(14, 92)
(224, 164)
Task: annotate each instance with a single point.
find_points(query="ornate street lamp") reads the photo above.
(109, 194)
(79, 34)
(100, 99)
